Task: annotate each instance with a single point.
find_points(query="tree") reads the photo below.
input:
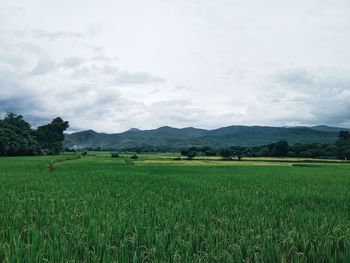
(16, 136)
(210, 152)
(134, 156)
(50, 136)
(115, 155)
(280, 149)
(226, 153)
(191, 155)
(345, 135)
(239, 155)
(343, 145)
(184, 152)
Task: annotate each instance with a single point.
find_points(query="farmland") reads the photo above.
(68, 208)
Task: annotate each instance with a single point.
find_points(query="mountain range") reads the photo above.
(175, 138)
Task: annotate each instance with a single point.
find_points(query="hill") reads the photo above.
(168, 137)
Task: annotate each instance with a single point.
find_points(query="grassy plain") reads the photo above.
(155, 209)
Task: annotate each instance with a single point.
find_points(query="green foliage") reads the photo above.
(18, 138)
(115, 155)
(280, 149)
(50, 136)
(343, 145)
(191, 154)
(51, 167)
(165, 138)
(184, 152)
(344, 135)
(226, 153)
(101, 210)
(134, 157)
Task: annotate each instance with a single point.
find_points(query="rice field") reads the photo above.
(69, 208)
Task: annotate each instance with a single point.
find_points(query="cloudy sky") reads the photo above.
(113, 65)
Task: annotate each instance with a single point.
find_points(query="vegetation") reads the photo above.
(189, 153)
(50, 136)
(343, 145)
(166, 138)
(98, 209)
(340, 149)
(18, 138)
(115, 155)
(226, 153)
(134, 156)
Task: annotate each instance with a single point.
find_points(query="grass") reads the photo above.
(102, 209)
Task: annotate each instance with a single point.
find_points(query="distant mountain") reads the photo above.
(326, 128)
(179, 138)
(133, 129)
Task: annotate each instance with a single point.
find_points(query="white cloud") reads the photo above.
(40, 33)
(125, 78)
(113, 65)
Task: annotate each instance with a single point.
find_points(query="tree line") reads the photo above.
(340, 150)
(17, 137)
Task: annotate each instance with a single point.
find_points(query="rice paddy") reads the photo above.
(155, 209)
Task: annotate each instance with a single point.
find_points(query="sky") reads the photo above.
(115, 65)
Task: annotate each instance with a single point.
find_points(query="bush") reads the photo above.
(115, 155)
(134, 156)
(83, 153)
(51, 167)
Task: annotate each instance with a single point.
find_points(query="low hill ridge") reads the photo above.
(169, 137)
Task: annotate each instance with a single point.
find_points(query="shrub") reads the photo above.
(115, 155)
(134, 156)
(51, 167)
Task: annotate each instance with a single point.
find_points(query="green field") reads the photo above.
(155, 209)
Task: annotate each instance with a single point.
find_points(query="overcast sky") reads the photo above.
(114, 65)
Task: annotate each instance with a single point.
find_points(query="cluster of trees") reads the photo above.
(17, 137)
(225, 153)
(340, 149)
(343, 145)
(136, 149)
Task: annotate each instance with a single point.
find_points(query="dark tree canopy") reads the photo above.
(343, 145)
(50, 136)
(191, 154)
(345, 135)
(226, 153)
(280, 149)
(18, 138)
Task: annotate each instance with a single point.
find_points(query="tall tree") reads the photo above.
(50, 136)
(226, 153)
(280, 149)
(16, 136)
(343, 145)
(345, 135)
